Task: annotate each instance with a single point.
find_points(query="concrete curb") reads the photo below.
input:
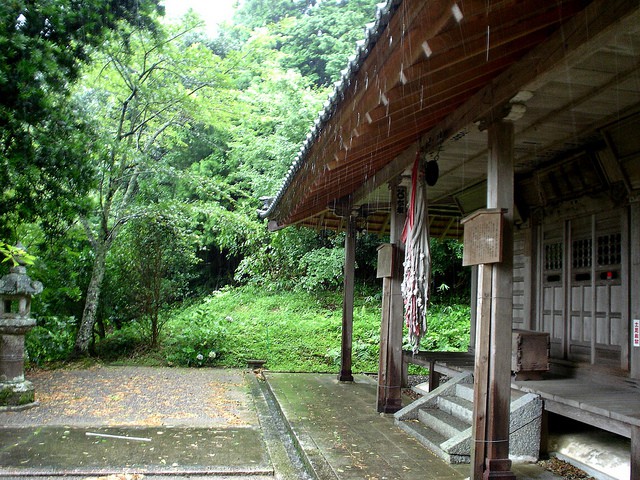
(311, 455)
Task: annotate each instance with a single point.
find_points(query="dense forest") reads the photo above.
(134, 151)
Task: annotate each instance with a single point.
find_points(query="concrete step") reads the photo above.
(458, 407)
(465, 391)
(426, 436)
(433, 441)
(421, 388)
(442, 422)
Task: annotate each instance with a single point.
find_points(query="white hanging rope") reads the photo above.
(417, 259)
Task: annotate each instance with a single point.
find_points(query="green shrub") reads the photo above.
(50, 340)
(122, 343)
(322, 269)
(293, 331)
(448, 328)
(197, 346)
(296, 331)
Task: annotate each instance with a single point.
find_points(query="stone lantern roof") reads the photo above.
(17, 282)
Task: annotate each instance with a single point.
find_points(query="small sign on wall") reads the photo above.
(386, 254)
(482, 241)
(636, 333)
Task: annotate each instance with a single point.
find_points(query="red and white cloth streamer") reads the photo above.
(417, 258)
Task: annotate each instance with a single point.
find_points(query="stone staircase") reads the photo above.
(442, 421)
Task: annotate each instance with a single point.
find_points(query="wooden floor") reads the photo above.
(615, 408)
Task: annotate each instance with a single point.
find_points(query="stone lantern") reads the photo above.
(16, 290)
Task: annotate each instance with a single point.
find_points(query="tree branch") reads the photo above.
(87, 228)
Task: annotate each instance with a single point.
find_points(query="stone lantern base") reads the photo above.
(16, 396)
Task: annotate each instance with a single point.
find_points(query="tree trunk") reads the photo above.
(155, 329)
(85, 331)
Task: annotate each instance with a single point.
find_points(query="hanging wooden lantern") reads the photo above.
(431, 172)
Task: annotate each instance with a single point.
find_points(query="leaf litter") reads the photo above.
(140, 396)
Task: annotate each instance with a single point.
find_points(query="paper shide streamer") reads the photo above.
(417, 260)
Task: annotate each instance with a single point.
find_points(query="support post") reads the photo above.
(635, 452)
(474, 308)
(634, 283)
(346, 374)
(481, 369)
(390, 368)
(493, 377)
(634, 304)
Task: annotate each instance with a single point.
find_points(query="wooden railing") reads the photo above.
(438, 363)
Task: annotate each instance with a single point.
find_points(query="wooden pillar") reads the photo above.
(634, 307)
(492, 396)
(634, 310)
(346, 374)
(390, 367)
(481, 370)
(634, 285)
(474, 308)
(635, 451)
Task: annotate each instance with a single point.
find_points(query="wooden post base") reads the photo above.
(390, 407)
(498, 468)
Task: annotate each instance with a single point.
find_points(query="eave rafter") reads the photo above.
(418, 87)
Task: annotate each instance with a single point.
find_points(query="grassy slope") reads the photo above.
(293, 331)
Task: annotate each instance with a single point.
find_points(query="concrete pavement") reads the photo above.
(343, 437)
(175, 423)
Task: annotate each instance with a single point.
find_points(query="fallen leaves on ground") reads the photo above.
(119, 476)
(145, 397)
(564, 469)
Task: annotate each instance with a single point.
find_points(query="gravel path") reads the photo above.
(138, 396)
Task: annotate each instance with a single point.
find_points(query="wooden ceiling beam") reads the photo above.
(462, 41)
(468, 49)
(470, 38)
(441, 86)
(417, 105)
(598, 20)
(403, 128)
(472, 50)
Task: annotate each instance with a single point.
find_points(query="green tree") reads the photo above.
(261, 13)
(243, 157)
(144, 90)
(15, 254)
(451, 281)
(43, 46)
(152, 266)
(319, 42)
(278, 109)
(316, 36)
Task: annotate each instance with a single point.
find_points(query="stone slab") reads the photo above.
(91, 451)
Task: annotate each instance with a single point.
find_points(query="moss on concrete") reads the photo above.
(10, 397)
